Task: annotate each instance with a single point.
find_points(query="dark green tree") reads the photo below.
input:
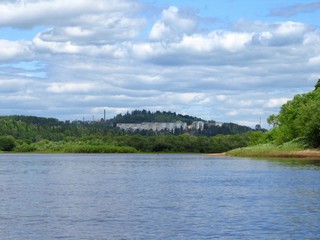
(298, 118)
(317, 86)
(7, 143)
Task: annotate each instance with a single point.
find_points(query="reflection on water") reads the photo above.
(157, 197)
(297, 162)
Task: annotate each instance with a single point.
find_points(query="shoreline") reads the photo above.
(216, 154)
(308, 154)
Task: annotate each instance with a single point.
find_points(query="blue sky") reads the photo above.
(231, 61)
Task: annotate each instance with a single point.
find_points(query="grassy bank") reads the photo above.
(287, 150)
(72, 147)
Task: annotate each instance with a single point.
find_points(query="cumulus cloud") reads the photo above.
(15, 50)
(100, 55)
(217, 40)
(82, 21)
(238, 45)
(30, 13)
(172, 25)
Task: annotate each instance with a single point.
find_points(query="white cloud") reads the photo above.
(81, 21)
(14, 50)
(272, 103)
(101, 31)
(30, 13)
(55, 47)
(172, 25)
(290, 29)
(71, 87)
(315, 60)
(96, 55)
(221, 97)
(217, 40)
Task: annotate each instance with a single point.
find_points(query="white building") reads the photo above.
(219, 124)
(154, 126)
(198, 125)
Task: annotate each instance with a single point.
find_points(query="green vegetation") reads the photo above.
(210, 128)
(136, 143)
(138, 116)
(7, 143)
(298, 118)
(268, 150)
(295, 128)
(37, 134)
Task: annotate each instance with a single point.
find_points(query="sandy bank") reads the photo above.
(216, 154)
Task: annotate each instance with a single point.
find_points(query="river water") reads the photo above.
(157, 197)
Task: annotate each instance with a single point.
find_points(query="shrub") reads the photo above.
(7, 143)
(25, 148)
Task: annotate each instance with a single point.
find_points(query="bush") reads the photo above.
(98, 149)
(25, 148)
(7, 143)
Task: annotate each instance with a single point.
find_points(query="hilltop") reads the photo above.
(138, 116)
(211, 128)
(36, 127)
(38, 134)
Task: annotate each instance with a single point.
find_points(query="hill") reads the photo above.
(211, 128)
(38, 134)
(33, 128)
(138, 116)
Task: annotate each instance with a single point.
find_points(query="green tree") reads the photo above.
(317, 86)
(298, 118)
(7, 143)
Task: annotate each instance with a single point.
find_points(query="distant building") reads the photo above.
(214, 124)
(154, 126)
(198, 125)
(219, 124)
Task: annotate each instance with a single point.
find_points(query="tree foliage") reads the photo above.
(7, 143)
(138, 116)
(317, 86)
(298, 118)
(29, 134)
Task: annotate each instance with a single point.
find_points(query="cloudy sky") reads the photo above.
(231, 60)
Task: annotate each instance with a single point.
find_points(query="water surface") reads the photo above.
(157, 197)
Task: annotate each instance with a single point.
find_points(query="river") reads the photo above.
(118, 196)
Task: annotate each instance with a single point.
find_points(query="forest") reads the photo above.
(38, 134)
(297, 122)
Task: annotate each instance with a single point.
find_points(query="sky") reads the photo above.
(229, 61)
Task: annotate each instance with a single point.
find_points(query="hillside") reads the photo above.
(38, 134)
(211, 128)
(138, 116)
(33, 128)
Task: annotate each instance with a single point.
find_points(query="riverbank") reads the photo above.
(272, 151)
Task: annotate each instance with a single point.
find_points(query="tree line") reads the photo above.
(298, 120)
(37, 134)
